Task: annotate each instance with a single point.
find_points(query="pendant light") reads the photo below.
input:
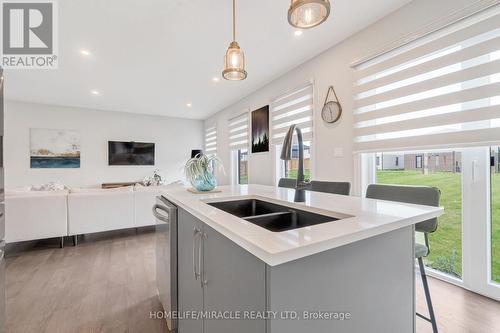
(234, 61)
(305, 14)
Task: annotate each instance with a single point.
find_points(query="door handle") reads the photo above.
(203, 280)
(160, 217)
(196, 233)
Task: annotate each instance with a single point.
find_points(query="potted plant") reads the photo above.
(200, 171)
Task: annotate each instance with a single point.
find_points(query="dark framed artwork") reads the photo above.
(260, 130)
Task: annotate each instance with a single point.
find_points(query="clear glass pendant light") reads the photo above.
(305, 14)
(234, 61)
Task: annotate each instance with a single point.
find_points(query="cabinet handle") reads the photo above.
(196, 233)
(203, 280)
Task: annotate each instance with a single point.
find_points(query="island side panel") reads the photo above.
(372, 279)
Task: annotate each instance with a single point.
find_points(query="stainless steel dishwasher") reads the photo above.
(165, 213)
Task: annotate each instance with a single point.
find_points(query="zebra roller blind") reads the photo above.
(442, 90)
(238, 132)
(295, 107)
(211, 139)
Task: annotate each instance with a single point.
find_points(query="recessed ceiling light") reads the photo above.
(85, 52)
(95, 92)
(298, 33)
(189, 105)
(215, 79)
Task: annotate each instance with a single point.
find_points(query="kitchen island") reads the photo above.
(352, 271)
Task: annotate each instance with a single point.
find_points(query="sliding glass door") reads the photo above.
(441, 91)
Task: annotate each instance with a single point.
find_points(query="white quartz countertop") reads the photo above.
(363, 218)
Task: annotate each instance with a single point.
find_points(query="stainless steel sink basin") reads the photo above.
(271, 216)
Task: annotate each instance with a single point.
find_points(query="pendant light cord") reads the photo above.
(234, 20)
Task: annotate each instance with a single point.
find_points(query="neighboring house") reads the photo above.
(436, 161)
(388, 161)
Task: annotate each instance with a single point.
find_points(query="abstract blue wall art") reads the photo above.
(54, 149)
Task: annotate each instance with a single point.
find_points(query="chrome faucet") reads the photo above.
(286, 155)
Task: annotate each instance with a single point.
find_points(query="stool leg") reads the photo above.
(75, 240)
(427, 295)
(61, 244)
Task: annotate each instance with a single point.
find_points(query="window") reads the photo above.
(242, 166)
(418, 162)
(211, 140)
(238, 143)
(295, 107)
(397, 161)
(442, 90)
(238, 132)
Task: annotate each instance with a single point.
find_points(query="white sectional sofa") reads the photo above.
(144, 199)
(96, 210)
(32, 215)
(35, 215)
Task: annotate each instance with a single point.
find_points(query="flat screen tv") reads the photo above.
(131, 153)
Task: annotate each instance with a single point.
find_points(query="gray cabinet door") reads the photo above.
(235, 281)
(190, 294)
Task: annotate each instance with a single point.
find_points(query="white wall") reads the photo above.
(330, 68)
(174, 139)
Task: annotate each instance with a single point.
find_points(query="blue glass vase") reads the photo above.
(205, 183)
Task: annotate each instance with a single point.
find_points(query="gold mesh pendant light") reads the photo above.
(234, 60)
(305, 14)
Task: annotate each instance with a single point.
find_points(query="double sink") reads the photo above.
(271, 216)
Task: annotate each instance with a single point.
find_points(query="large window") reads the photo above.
(441, 90)
(425, 98)
(446, 242)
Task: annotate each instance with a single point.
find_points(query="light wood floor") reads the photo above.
(100, 286)
(107, 285)
(457, 310)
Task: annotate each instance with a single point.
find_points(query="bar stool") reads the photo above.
(287, 182)
(422, 195)
(343, 188)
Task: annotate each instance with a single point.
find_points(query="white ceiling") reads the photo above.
(154, 56)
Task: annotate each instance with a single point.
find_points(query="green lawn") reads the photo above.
(243, 179)
(293, 174)
(446, 242)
